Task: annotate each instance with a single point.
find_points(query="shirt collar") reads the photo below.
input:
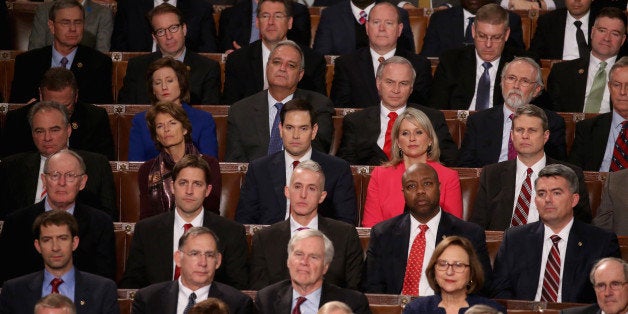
(616, 120)
(187, 291)
(47, 206)
(69, 277)
(536, 168)
(432, 223)
(356, 11)
(384, 111)
(375, 56)
(272, 101)
(563, 234)
(57, 56)
(315, 295)
(289, 159)
(584, 19)
(197, 221)
(313, 224)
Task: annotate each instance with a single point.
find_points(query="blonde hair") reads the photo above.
(419, 119)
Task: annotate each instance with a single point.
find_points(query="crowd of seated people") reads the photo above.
(57, 192)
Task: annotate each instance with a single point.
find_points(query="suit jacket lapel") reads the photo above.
(32, 176)
(348, 24)
(171, 297)
(81, 291)
(400, 249)
(278, 179)
(255, 57)
(34, 288)
(164, 232)
(371, 128)
(459, 24)
(574, 265)
(497, 120)
(468, 69)
(508, 176)
(283, 300)
(259, 107)
(580, 82)
(600, 137)
(368, 75)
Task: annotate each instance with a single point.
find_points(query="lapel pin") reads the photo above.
(579, 243)
(79, 65)
(75, 125)
(444, 237)
(189, 68)
(580, 71)
(82, 302)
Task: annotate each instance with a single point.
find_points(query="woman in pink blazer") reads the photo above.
(413, 141)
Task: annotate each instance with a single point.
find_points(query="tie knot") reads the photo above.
(577, 24)
(529, 172)
(624, 125)
(300, 300)
(363, 14)
(186, 227)
(603, 65)
(486, 65)
(392, 115)
(64, 62)
(55, 283)
(279, 106)
(471, 19)
(512, 115)
(423, 227)
(303, 228)
(192, 297)
(295, 164)
(381, 59)
(555, 239)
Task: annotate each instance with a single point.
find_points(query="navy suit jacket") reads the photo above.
(494, 201)
(387, 255)
(277, 298)
(150, 258)
(446, 31)
(92, 294)
(361, 129)
(518, 263)
(132, 30)
(589, 144)
(164, 297)
(482, 142)
(567, 84)
(262, 199)
(354, 79)
(336, 31)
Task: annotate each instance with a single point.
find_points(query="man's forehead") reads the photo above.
(53, 229)
(164, 18)
(490, 29)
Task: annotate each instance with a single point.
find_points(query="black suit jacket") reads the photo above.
(235, 25)
(150, 258)
(454, 80)
(446, 31)
(549, 36)
(248, 132)
(262, 199)
(19, 175)
(204, 79)
(96, 252)
(589, 309)
(164, 297)
(494, 201)
(361, 129)
(132, 30)
(589, 144)
(482, 142)
(354, 79)
(269, 255)
(5, 37)
(244, 72)
(567, 84)
(91, 131)
(92, 294)
(518, 261)
(91, 68)
(277, 298)
(387, 255)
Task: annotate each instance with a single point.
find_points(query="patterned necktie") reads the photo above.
(64, 62)
(512, 152)
(392, 116)
(55, 283)
(468, 38)
(297, 307)
(620, 152)
(275, 144)
(484, 88)
(191, 302)
(362, 19)
(551, 279)
(594, 101)
(414, 268)
(583, 48)
(520, 216)
(177, 270)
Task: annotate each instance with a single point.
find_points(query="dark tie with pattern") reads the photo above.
(362, 19)
(55, 283)
(191, 302)
(64, 62)
(484, 88)
(620, 157)
(468, 38)
(551, 279)
(520, 216)
(297, 307)
(275, 144)
(583, 48)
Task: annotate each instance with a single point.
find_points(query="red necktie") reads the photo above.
(620, 153)
(297, 307)
(512, 153)
(295, 164)
(520, 216)
(414, 268)
(177, 270)
(387, 141)
(551, 279)
(55, 283)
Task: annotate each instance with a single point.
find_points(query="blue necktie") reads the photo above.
(484, 88)
(275, 144)
(468, 38)
(191, 303)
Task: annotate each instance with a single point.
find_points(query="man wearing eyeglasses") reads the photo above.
(401, 247)
(581, 85)
(169, 34)
(64, 176)
(155, 238)
(198, 257)
(91, 68)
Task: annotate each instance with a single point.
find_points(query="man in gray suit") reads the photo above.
(96, 34)
(612, 214)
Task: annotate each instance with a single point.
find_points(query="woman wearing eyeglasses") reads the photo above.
(455, 274)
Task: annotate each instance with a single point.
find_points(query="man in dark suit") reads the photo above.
(56, 235)
(364, 136)
(546, 260)
(580, 85)
(503, 183)
(305, 192)
(594, 144)
(91, 68)
(310, 254)
(204, 72)
(245, 70)
(154, 241)
(132, 30)
(90, 124)
(263, 199)
(448, 29)
(468, 78)
(238, 28)
(608, 277)
(64, 176)
(248, 126)
(198, 258)
(20, 174)
(389, 248)
(354, 74)
(342, 29)
(487, 134)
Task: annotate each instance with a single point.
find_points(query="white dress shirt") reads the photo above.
(521, 174)
(562, 248)
(570, 45)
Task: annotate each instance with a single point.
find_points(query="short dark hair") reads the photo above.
(55, 217)
(58, 78)
(559, 170)
(531, 111)
(164, 8)
(192, 161)
(477, 273)
(210, 306)
(64, 4)
(48, 106)
(56, 301)
(197, 231)
(298, 105)
(180, 69)
(286, 3)
(175, 111)
(612, 13)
